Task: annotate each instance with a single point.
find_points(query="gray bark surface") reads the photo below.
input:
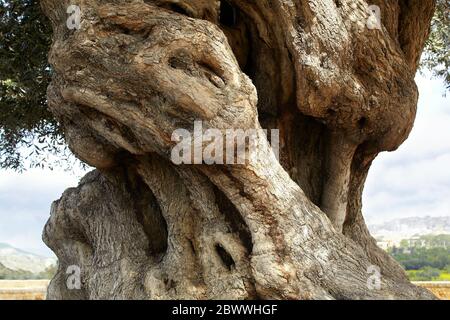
(140, 227)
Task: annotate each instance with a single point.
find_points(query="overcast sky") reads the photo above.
(413, 181)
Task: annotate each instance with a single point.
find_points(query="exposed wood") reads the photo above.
(141, 227)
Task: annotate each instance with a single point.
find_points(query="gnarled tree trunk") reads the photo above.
(142, 227)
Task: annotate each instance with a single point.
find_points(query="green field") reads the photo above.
(426, 259)
(428, 274)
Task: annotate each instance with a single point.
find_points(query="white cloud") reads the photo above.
(415, 179)
(25, 201)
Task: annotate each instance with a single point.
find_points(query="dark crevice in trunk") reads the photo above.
(234, 219)
(228, 14)
(303, 139)
(148, 214)
(226, 258)
(306, 140)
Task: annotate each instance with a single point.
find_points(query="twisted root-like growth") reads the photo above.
(142, 227)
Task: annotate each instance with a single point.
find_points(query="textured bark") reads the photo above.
(141, 227)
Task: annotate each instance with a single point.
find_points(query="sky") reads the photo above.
(413, 181)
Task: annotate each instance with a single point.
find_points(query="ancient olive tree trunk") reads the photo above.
(338, 89)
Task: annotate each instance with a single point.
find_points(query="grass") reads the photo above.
(415, 275)
(445, 276)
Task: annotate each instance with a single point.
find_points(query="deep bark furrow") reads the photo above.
(143, 227)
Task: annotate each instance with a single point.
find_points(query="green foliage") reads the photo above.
(437, 51)
(30, 136)
(441, 240)
(27, 128)
(428, 273)
(447, 269)
(426, 258)
(404, 243)
(425, 274)
(417, 258)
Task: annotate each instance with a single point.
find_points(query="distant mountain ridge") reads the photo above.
(19, 260)
(408, 227)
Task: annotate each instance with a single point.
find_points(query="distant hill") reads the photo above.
(408, 227)
(13, 259)
(8, 274)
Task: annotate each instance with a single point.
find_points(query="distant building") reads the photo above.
(417, 242)
(386, 244)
